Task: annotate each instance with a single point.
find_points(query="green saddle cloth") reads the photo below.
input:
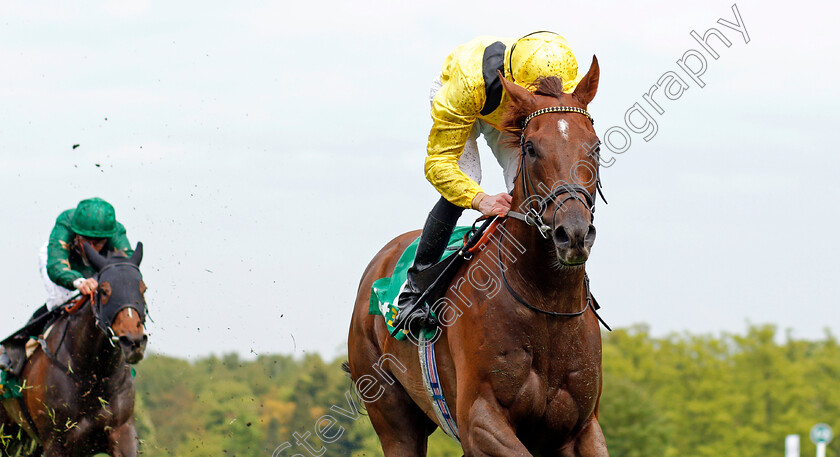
(384, 291)
(9, 386)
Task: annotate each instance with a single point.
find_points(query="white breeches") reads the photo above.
(56, 294)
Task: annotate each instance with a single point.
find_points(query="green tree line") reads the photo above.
(680, 395)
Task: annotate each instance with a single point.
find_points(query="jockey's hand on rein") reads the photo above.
(492, 205)
(85, 285)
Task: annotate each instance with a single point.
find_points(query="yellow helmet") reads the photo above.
(543, 54)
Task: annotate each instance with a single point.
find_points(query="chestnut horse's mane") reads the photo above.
(550, 86)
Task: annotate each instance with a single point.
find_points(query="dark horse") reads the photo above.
(78, 391)
(519, 351)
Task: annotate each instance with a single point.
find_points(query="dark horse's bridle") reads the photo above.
(106, 313)
(104, 319)
(534, 215)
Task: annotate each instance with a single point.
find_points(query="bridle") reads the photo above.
(534, 215)
(103, 321)
(105, 317)
(569, 191)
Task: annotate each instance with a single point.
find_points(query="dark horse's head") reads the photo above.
(558, 171)
(119, 304)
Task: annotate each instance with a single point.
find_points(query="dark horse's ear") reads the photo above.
(586, 88)
(96, 259)
(137, 257)
(519, 95)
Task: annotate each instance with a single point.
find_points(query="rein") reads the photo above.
(589, 300)
(69, 308)
(95, 301)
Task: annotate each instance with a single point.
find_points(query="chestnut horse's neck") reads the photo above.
(535, 275)
(88, 349)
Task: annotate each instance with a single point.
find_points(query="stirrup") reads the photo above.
(414, 317)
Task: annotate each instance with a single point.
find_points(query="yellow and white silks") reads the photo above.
(459, 114)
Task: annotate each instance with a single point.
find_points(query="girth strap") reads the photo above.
(24, 412)
(434, 389)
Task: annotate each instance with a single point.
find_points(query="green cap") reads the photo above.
(94, 218)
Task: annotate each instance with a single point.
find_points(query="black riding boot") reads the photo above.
(433, 242)
(13, 357)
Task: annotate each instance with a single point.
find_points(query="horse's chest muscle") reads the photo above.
(512, 378)
(560, 389)
(572, 400)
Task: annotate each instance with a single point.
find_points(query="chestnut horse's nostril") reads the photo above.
(561, 237)
(589, 239)
(574, 235)
(573, 240)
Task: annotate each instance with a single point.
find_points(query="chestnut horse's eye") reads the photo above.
(529, 148)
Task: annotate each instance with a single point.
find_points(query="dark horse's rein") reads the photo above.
(534, 215)
(68, 310)
(104, 325)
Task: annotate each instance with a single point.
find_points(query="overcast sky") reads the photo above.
(265, 151)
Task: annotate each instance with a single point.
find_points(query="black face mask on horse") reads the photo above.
(121, 286)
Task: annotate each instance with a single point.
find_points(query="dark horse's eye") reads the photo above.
(529, 148)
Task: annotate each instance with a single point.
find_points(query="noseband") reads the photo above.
(570, 191)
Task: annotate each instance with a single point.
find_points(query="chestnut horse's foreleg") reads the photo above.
(486, 432)
(122, 441)
(403, 428)
(590, 442)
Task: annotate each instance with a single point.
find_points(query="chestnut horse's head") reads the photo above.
(119, 305)
(558, 172)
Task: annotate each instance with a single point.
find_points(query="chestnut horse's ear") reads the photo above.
(96, 259)
(137, 257)
(586, 88)
(519, 95)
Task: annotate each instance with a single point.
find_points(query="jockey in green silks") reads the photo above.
(65, 269)
(468, 101)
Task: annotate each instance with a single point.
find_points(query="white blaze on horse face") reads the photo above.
(563, 127)
(129, 313)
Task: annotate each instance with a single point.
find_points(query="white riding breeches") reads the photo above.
(56, 295)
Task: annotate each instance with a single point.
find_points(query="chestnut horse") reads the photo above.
(78, 391)
(519, 349)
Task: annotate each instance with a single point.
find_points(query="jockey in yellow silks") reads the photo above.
(467, 101)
